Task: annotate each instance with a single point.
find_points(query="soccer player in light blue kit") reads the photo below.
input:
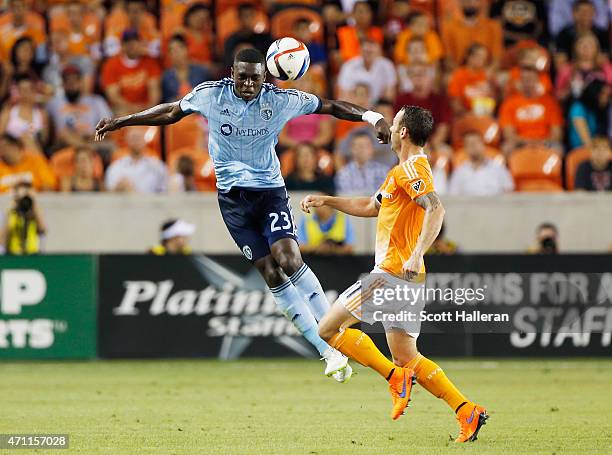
(245, 116)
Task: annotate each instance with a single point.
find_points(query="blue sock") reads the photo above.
(292, 305)
(308, 285)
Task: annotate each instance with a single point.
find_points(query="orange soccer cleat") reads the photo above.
(400, 387)
(471, 418)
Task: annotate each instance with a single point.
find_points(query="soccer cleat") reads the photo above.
(400, 387)
(343, 375)
(471, 418)
(335, 361)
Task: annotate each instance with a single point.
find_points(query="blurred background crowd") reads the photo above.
(519, 90)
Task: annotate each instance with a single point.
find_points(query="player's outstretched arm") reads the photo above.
(366, 207)
(162, 114)
(432, 223)
(344, 110)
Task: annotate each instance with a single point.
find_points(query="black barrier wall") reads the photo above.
(217, 306)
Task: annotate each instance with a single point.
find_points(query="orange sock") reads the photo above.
(431, 377)
(358, 346)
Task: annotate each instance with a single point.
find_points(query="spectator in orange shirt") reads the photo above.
(419, 26)
(459, 34)
(133, 15)
(130, 81)
(530, 116)
(83, 28)
(350, 36)
(83, 179)
(19, 22)
(21, 166)
(471, 85)
(198, 33)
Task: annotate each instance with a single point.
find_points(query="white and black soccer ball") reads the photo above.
(287, 59)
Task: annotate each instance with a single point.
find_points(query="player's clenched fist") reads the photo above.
(413, 266)
(383, 132)
(311, 201)
(103, 126)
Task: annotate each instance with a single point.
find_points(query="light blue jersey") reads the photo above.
(243, 135)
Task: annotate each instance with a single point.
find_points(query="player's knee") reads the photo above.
(327, 330)
(289, 262)
(404, 358)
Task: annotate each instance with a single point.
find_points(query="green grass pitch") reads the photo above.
(288, 406)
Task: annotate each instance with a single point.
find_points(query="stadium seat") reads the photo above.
(62, 164)
(460, 156)
(487, 126)
(572, 161)
(188, 133)
(283, 23)
(205, 178)
(325, 162)
(536, 169)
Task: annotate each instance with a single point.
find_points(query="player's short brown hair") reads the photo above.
(418, 122)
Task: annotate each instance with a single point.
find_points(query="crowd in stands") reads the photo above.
(519, 90)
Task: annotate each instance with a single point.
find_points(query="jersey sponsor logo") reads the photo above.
(266, 113)
(418, 186)
(246, 250)
(226, 129)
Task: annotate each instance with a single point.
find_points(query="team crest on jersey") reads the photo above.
(266, 113)
(418, 186)
(246, 250)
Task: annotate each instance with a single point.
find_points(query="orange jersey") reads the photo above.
(400, 219)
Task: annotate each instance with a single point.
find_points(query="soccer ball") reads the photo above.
(287, 58)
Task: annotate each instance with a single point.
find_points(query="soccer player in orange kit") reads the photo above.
(410, 215)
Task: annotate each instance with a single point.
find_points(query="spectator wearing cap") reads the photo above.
(61, 58)
(182, 76)
(18, 165)
(371, 68)
(131, 81)
(137, 172)
(479, 175)
(174, 238)
(459, 33)
(74, 113)
(25, 119)
(132, 15)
